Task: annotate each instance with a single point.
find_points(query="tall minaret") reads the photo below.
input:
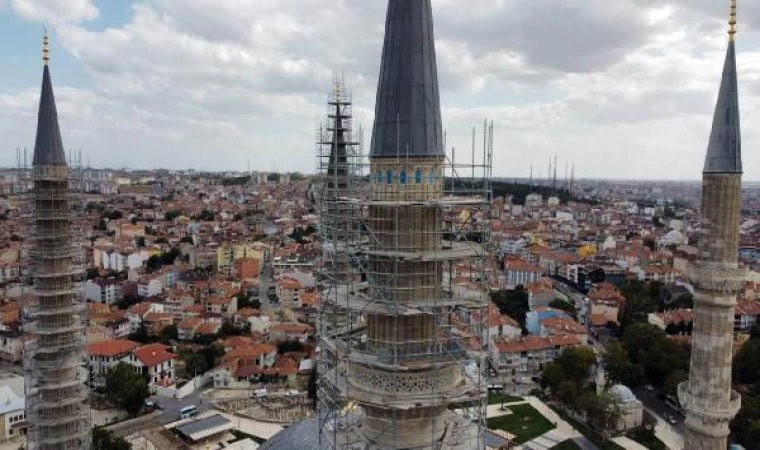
(707, 397)
(407, 377)
(56, 398)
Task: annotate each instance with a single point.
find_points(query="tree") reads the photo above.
(620, 369)
(746, 424)
(103, 439)
(649, 347)
(513, 303)
(247, 301)
(169, 333)
(228, 329)
(564, 306)
(140, 241)
(153, 263)
(311, 389)
(672, 380)
(289, 346)
(126, 388)
(747, 362)
(127, 301)
(186, 240)
(172, 214)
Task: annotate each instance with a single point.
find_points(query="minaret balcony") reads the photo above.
(708, 409)
(717, 278)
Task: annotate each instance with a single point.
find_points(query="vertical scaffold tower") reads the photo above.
(56, 397)
(403, 279)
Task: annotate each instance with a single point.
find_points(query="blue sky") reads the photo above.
(623, 89)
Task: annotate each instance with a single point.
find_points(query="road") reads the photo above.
(266, 282)
(660, 408)
(168, 413)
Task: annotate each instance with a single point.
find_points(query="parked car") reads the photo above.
(259, 393)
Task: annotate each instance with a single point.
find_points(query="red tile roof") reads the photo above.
(153, 354)
(111, 348)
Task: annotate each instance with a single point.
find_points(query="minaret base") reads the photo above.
(707, 422)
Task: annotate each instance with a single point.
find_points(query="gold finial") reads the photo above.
(46, 47)
(732, 21)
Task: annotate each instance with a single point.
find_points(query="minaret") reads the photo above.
(406, 378)
(707, 397)
(56, 398)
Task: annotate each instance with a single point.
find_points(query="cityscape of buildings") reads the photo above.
(400, 297)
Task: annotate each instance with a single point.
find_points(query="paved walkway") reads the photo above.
(628, 444)
(496, 411)
(667, 433)
(563, 432)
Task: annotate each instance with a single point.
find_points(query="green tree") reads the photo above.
(672, 380)
(747, 362)
(140, 241)
(311, 389)
(172, 214)
(103, 439)
(169, 333)
(745, 425)
(289, 346)
(513, 303)
(153, 263)
(126, 388)
(564, 306)
(620, 369)
(649, 347)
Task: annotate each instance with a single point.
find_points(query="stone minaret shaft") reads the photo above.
(56, 397)
(707, 397)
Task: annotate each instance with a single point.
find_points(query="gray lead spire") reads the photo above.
(408, 111)
(48, 147)
(724, 152)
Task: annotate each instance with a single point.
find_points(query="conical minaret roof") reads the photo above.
(48, 147)
(724, 152)
(408, 111)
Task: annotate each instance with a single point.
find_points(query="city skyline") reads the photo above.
(625, 92)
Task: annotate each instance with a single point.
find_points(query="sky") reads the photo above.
(622, 89)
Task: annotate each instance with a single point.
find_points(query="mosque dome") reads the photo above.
(622, 394)
(303, 435)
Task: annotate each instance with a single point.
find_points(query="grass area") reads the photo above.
(525, 423)
(647, 439)
(591, 435)
(566, 445)
(497, 399)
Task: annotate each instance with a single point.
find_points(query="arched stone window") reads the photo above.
(418, 176)
(402, 177)
(379, 177)
(431, 177)
(389, 177)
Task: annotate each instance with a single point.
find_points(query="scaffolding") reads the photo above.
(53, 316)
(403, 291)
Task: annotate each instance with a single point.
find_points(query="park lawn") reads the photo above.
(497, 399)
(525, 423)
(647, 439)
(566, 445)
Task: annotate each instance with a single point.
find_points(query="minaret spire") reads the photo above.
(407, 110)
(46, 48)
(724, 151)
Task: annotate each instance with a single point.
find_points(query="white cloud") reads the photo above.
(55, 12)
(624, 90)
